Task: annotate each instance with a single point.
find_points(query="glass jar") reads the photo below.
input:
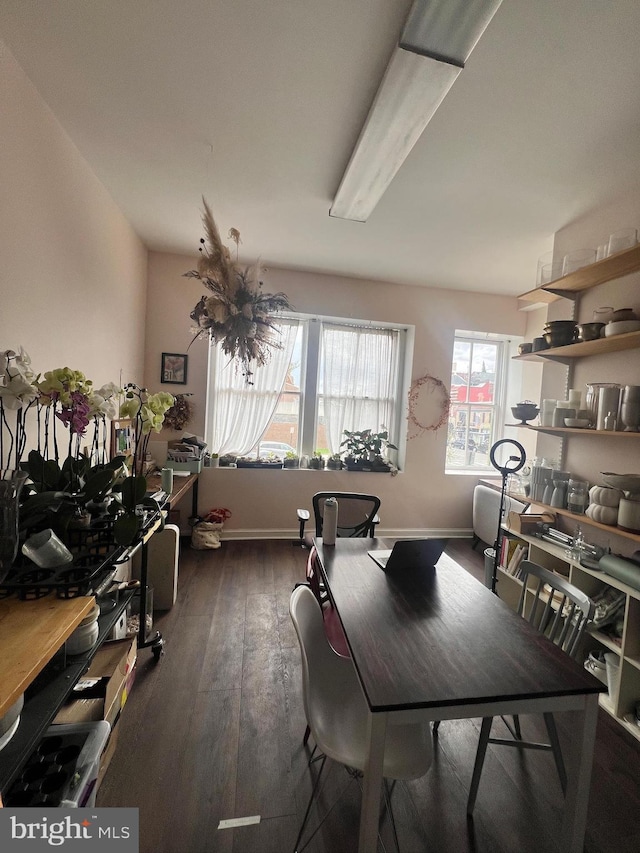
(578, 496)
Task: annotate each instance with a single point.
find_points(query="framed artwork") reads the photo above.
(122, 437)
(174, 368)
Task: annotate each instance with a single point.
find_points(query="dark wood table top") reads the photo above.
(181, 486)
(438, 637)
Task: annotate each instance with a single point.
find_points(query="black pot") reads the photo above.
(539, 344)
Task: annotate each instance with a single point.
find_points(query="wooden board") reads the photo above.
(31, 632)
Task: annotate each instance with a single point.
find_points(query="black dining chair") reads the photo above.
(357, 514)
(561, 612)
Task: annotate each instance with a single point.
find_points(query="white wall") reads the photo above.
(73, 272)
(264, 502)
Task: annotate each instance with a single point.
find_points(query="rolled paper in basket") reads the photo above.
(621, 569)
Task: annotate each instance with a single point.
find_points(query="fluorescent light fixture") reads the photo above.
(447, 30)
(437, 39)
(412, 89)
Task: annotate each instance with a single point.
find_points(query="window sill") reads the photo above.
(470, 472)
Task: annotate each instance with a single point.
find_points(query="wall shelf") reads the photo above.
(601, 433)
(621, 704)
(618, 265)
(589, 522)
(616, 343)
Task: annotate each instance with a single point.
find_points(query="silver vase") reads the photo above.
(630, 409)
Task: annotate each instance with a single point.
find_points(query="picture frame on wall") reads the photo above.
(174, 368)
(123, 435)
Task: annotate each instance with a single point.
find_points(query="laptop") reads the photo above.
(409, 554)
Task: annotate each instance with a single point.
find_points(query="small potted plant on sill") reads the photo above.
(334, 462)
(291, 460)
(365, 450)
(317, 461)
(265, 463)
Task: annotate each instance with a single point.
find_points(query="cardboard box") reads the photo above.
(527, 522)
(113, 670)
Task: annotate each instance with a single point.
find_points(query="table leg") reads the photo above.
(372, 784)
(580, 760)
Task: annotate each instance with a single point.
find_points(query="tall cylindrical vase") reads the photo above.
(608, 404)
(11, 483)
(630, 408)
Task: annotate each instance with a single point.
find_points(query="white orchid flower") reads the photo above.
(17, 392)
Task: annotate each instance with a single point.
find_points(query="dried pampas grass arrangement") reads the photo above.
(235, 313)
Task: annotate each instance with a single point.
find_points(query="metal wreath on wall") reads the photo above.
(429, 404)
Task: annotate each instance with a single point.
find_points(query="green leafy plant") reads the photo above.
(317, 461)
(54, 495)
(291, 459)
(334, 462)
(366, 445)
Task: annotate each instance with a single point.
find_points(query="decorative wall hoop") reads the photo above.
(427, 385)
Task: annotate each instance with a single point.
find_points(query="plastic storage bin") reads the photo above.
(63, 770)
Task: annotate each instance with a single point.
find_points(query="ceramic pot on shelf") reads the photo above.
(559, 495)
(608, 404)
(630, 408)
(591, 399)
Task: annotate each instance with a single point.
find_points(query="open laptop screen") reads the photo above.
(409, 554)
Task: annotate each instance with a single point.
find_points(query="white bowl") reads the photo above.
(621, 327)
(576, 423)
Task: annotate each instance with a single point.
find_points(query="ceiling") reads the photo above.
(257, 105)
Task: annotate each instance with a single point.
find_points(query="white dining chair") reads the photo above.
(337, 712)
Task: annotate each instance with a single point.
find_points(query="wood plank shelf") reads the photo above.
(601, 433)
(618, 265)
(615, 343)
(589, 522)
(42, 702)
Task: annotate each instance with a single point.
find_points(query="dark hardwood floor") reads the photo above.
(214, 731)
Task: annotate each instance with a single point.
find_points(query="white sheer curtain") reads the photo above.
(359, 368)
(240, 412)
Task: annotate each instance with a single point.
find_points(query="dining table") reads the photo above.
(432, 643)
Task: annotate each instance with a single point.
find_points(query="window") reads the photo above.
(478, 388)
(334, 375)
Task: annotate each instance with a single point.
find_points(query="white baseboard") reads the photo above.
(398, 533)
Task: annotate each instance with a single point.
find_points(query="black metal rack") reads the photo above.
(47, 694)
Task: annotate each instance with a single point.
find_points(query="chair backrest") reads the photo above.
(335, 706)
(555, 607)
(356, 512)
(329, 682)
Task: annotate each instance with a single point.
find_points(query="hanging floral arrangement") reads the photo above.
(235, 313)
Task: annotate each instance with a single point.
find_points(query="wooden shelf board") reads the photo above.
(618, 265)
(539, 295)
(589, 522)
(634, 661)
(605, 640)
(599, 432)
(615, 343)
(31, 632)
(632, 728)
